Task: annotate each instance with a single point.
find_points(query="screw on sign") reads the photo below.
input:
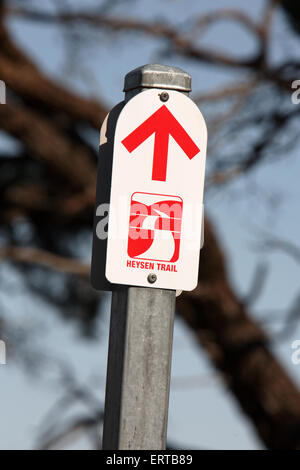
(157, 139)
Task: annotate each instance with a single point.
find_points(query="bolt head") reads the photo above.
(152, 278)
(164, 96)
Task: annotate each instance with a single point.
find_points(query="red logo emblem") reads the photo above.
(155, 227)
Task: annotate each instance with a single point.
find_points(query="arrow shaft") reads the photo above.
(160, 156)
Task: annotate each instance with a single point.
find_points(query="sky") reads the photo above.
(202, 414)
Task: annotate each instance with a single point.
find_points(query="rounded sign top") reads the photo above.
(158, 76)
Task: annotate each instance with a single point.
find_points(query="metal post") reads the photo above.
(141, 331)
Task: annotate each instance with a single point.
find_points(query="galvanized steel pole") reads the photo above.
(141, 330)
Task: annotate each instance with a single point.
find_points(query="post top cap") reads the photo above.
(158, 76)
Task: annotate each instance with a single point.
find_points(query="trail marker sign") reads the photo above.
(150, 189)
(156, 202)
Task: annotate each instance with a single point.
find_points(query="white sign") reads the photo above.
(156, 205)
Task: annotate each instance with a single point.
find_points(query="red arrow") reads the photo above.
(163, 124)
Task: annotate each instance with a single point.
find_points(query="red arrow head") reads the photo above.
(163, 124)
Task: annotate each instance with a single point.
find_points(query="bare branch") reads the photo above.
(257, 285)
(276, 123)
(75, 428)
(44, 258)
(227, 92)
(181, 44)
(271, 243)
(22, 76)
(231, 15)
(48, 144)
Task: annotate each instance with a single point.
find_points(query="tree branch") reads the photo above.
(23, 77)
(182, 45)
(44, 258)
(45, 142)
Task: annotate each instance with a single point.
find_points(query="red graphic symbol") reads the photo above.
(163, 124)
(154, 227)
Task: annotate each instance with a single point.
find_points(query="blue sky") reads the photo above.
(203, 414)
